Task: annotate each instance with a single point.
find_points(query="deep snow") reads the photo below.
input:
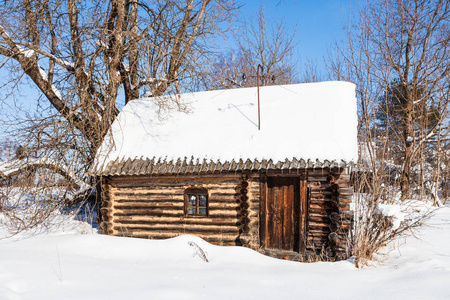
(75, 263)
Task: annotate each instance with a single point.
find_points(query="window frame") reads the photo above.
(197, 192)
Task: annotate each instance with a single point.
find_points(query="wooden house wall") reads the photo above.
(325, 213)
(319, 210)
(154, 208)
(328, 217)
(251, 208)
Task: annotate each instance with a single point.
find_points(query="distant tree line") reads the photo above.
(397, 52)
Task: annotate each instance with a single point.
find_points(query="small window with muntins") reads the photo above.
(196, 201)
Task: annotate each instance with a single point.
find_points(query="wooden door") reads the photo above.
(282, 213)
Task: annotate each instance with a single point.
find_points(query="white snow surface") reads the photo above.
(303, 121)
(75, 263)
(395, 212)
(12, 166)
(26, 52)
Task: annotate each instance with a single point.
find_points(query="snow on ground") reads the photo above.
(74, 263)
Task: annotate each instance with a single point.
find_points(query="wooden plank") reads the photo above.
(303, 185)
(318, 194)
(140, 199)
(276, 232)
(149, 206)
(319, 218)
(319, 210)
(317, 178)
(263, 212)
(162, 233)
(147, 203)
(274, 228)
(173, 205)
(176, 190)
(278, 216)
(214, 207)
(323, 202)
(219, 195)
(211, 229)
(280, 211)
(270, 214)
(312, 225)
(171, 197)
(318, 240)
(320, 231)
(296, 215)
(288, 210)
(147, 193)
(149, 212)
(181, 221)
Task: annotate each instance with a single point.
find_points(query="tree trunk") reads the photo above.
(405, 177)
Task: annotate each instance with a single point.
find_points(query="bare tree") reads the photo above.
(261, 42)
(406, 42)
(310, 72)
(80, 54)
(83, 57)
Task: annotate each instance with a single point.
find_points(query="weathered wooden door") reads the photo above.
(283, 224)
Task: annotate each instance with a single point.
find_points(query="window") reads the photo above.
(196, 202)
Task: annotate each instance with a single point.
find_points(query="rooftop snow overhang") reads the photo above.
(315, 123)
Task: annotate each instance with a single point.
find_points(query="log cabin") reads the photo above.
(205, 169)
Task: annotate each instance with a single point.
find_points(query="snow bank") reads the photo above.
(405, 211)
(56, 223)
(305, 121)
(10, 167)
(70, 265)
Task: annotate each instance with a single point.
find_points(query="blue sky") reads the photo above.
(318, 22)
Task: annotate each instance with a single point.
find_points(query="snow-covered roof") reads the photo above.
(310, 122)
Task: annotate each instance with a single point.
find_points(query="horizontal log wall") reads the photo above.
(328, 214)
(153, 207)
(344, 223)
(320, 207)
